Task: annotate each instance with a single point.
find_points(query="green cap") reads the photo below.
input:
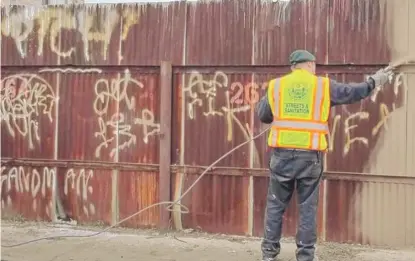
(299, 56)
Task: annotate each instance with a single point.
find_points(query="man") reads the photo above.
(298, 106)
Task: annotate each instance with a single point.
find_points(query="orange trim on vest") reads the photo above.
(319, 100)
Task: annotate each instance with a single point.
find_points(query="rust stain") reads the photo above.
(138, 190)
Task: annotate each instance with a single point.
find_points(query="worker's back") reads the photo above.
(300, 103)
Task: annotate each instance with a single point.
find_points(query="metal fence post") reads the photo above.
(166, 100)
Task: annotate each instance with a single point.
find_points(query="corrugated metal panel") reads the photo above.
(219, 33)
(357, 31)
(281, 27)
(218, 204)
(86, 194)
(156, 33)
(88, 101)
(104, 100)
(137, 190)
(372, 212)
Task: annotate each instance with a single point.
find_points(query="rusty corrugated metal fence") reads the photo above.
(106, 109)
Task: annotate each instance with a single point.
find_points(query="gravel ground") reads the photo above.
(151, 245)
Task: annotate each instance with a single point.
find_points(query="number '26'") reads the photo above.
(246, 94)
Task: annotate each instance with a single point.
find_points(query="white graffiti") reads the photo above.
(93, 27)
(29, 180)
(71, 70)
(147, 121)
(78, 181)
(200, 89)
(114, 90)
(208, 88)
(38, 182)
(110, 95)
(8, 28)
(24, 98)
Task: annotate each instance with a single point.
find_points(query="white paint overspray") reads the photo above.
(386, 215)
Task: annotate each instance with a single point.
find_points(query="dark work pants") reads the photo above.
(292, 169)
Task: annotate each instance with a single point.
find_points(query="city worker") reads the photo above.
(298, 105)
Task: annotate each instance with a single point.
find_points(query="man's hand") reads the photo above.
(382, 76)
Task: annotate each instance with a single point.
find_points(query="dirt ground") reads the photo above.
(151, 245)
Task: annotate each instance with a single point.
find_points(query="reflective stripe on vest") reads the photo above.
(318, 128)
(287, 124)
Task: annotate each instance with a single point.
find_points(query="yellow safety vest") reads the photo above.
(300, 104)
